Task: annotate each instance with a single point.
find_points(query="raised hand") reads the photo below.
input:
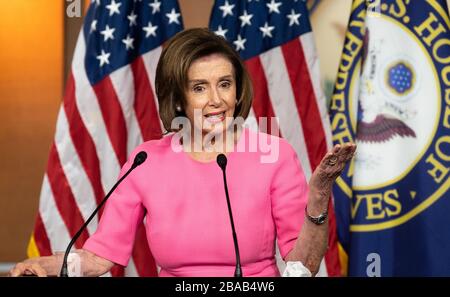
(331, 167)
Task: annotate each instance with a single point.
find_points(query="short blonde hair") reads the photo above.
(173, 66)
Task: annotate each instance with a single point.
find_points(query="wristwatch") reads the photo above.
(319, 220)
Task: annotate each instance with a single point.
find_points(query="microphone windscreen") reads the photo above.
(222, 161)
(140, 158)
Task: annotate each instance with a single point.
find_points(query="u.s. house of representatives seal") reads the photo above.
(392, 97)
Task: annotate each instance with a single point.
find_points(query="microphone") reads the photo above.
(138, 160)
(222, 162)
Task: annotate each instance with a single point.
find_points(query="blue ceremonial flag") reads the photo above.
(392, 97)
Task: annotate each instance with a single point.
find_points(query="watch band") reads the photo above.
(319, 220)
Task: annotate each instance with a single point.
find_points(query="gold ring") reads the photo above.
(332, 161)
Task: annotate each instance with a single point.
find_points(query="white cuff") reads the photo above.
(296, 269)
(74, 265)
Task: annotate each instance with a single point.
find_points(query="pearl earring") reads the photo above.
(178, 108)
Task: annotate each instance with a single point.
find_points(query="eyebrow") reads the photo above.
(203, 81)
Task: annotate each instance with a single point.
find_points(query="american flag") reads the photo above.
(108, 109)
(276, 42)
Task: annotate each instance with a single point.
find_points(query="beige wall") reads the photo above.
(31, 59)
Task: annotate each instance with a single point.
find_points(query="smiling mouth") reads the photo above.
(215, 117)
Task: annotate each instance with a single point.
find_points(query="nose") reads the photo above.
(214, 97)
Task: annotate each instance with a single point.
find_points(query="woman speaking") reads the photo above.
(205, 94)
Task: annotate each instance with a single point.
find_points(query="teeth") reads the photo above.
(215, 116)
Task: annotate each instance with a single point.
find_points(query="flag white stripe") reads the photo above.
(151, 62)
(131, 270)
(322, 269)
(88, 106)
(284, 105)
(56, 230)
(123, 82)
(74, 171)
(251, 122)
(312, 60)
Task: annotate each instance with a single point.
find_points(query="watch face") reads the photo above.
(319, 220)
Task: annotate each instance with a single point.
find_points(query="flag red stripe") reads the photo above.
(113, 117)
(64, 199)
(262, 106)
(305, 100)
(117, 271)
(332, 254)
(144, 102)
(143, 259)
(41, 238)
(82, 141)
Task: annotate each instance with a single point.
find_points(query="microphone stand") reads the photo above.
(222, 162)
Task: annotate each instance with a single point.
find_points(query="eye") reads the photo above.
(225, 84)
(198, 88)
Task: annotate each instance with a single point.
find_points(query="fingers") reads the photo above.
(36, 269)
(348, 151)
(27, 269)
(345, 149)
(337, 158)
(15, 271)
(336, 149)
(18, 270)
(340, 154)
(332, 165)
